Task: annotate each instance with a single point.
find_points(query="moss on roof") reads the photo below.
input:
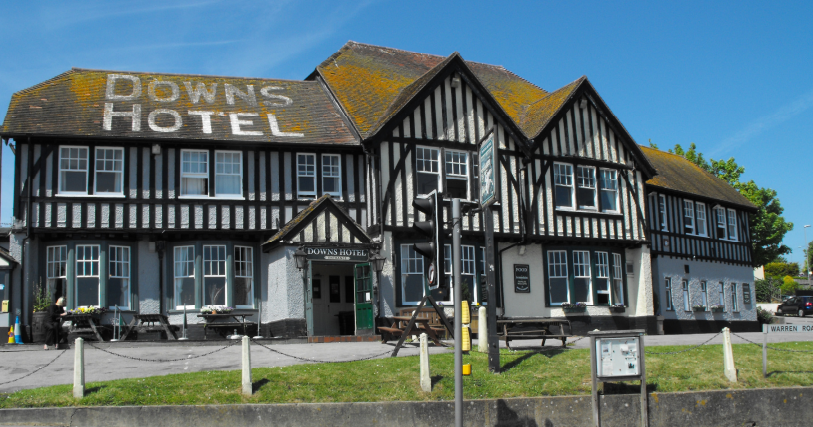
(537, 115)
(678, 174)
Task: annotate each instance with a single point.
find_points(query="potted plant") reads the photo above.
(698, 308)
(578, 307)
(216, 309)
(40, 317)
(91, 309)
(618, 308)
(717, 308)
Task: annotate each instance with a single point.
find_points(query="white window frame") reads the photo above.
(119, 172)
(77, 169)
(668, 292)
(332, 171)
(190, 267)
(56, 268)
(467, 263)
(719, 214)
(214, 265)
(195, 175)
(662, 215)
(305, 174)
(687, 303)
(426, 165)
(582, 267)
(700, 208)
(454, 163)
(563, 177)
(589, 182)
(603, 274)
(82, 266)
(557, 260)
(410, 266)
(248, 267)
(618, 278)
(732, 225)
(120, 269)
(722, 294)
(735, 303)
(688, 217)
(704, 295)
(239, 174)
(480, 275)
(615, 191)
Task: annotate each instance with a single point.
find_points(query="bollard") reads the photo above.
(79, 369)
(247, 387)
(426, 381)
(482, 332)
(728, 357)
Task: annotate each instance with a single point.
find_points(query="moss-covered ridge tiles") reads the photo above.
(678, 174)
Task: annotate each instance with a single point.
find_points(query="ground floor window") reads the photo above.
(734, 299)
(414, 284)
(57, 271)
(213, 274)
(668, 292)
(592, 277)
(686, 302)
(87, 275)
(118, 285)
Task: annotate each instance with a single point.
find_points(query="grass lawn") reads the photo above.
(525, 373)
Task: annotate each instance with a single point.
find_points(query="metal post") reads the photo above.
(644, 397)
(593, 366)
(764, 351)
(259, 322)
(458, 310)
(491, 307)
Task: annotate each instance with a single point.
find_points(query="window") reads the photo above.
(557, 277)
(412, 281)
(721, 226)
(457, 175)
(243, 277)
(664, 225)
(721, 300)
(214, 274)
(467, 273)
(184, 277)
(331, 174)
(118, 282)
(306, 175)
(701, 219)
(686, 303)
(57, 271)
(87, 275)
(194, 173)
(73, 170)
(109, 170)
(563, 179)
(704, 301)
(609, 190)
(427, 169)
(668, 293)
(228, 173)
(602, 278)
(618, 280)
(734, 298)
(582, 289)
(586, 189)
(732, 224)
(481, 290)
(688, 217)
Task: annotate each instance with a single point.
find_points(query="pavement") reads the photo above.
(29, 366)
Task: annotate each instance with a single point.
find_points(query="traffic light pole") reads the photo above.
(458, 311)
(491, 307)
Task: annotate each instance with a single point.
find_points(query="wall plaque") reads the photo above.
(746, 293)
(522, 278)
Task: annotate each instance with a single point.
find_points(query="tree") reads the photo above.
(789, 286)
(766, 289)
(779, 270)
(767, 225)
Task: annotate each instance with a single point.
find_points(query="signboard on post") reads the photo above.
(489, 190)
(522, 278)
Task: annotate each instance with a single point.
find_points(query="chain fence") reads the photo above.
(304, 359)
(684, 350)
(769, 347)
(36, 370)
(180, 359)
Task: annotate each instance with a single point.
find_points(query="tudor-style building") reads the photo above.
(702, 267)
(159, 193)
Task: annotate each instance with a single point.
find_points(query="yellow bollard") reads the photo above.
(465, 313)
(467, 369)
(465, 338)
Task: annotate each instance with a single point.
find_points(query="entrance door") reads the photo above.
(364, 302)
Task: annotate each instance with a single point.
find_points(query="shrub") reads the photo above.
(766, 288)
(763, 316)
(789, 286)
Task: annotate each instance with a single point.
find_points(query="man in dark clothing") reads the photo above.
(54, 324)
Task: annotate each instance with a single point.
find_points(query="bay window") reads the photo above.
(586, 187)
(412, 280)
(109, 170)
(184, 274)
(593, 277)
(602, 278)
(559, 289)
(618, 280)
(243, 276)
(305, 175)
(427, 169)
(214, 275)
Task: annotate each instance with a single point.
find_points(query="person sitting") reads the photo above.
(53, 326)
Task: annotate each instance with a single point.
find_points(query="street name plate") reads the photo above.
(790, 328)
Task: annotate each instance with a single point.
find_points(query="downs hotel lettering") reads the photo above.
(337, 254)
(124, 91)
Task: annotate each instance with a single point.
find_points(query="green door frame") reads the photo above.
(364, 299)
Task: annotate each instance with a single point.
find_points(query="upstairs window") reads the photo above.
(331, 174)
(73, 170)
(721, 225)
(194, 173)
(609, 190)
(586, 189)
(228, 173)
(563, 180)
(306, 175)
(732, 224)
(109, 170)
(557, 277)
(701, 219)
(688, 217)
(457, 175)
(664, 225)
(427, 169)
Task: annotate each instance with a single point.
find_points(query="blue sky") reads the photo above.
(730, 76)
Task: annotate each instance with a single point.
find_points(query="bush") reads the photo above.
(789, 286)
(763, 316)
(765, 289)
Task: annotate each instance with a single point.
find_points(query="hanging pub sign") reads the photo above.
(522, 278)
(337, 254)
(488, 170)
(746, 293)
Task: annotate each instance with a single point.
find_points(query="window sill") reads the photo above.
(211, 198)
(197, 310)
(97, 196)
(591, 212)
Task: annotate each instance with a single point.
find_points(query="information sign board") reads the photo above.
(488, 170)
(522, 278)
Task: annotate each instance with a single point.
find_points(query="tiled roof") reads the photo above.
(536, 116)
(73, 104)
(678, 174)
(368, 79)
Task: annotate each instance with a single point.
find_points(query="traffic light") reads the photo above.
(433, 230)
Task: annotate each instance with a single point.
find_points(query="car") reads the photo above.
(800, 306)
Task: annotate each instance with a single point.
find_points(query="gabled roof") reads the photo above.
(679, 175)
(324, 205)
(73, 104)
(536, 116)
(367, 80)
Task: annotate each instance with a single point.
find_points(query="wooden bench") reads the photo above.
(523, 328)
(147, 323)
(427, 313)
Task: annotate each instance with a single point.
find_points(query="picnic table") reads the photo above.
(421, 325)
(522, 328)
(83, 323)
(227, 320)
(147, 323)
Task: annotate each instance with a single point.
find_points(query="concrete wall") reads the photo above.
(284, 286)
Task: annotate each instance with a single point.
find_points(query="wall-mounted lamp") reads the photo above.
(301, 258)
(378, 262)
(156, 149)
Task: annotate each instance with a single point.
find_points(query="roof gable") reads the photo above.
(322, 221)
